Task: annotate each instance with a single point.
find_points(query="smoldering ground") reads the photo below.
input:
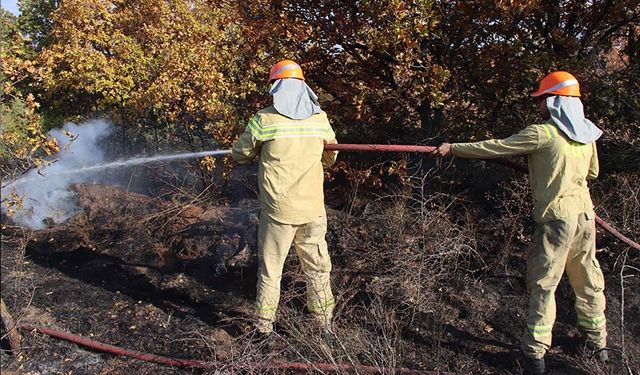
(43, 193)
(42, 196)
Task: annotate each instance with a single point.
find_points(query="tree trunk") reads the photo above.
(431, 120)
(13, 337)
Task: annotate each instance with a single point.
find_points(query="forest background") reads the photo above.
(188, 74)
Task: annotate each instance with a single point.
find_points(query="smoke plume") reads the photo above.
(45, 193)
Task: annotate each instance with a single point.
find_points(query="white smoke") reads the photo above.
(45, 192)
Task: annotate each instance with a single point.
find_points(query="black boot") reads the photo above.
(265, 341)
(600, 354)
(533, 366)
(329, 337)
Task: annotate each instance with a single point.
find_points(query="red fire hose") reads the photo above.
(192, 363)
(380, 148)
(430, 149)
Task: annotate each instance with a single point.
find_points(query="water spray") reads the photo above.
(118, 164)
(334, 147)
(44, 193)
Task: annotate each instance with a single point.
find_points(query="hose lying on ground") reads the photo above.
(430, 149)
(192, 363)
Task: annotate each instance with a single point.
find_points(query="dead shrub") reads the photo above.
(421, 239)
(370, 335)
(617, 199)
(514, 205)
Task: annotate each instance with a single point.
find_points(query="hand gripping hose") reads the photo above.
(193, 363)
(430, 149)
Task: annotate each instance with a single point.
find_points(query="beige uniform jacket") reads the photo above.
(292, 156)
(558, 168)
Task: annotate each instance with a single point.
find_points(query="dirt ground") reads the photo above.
(416, 289)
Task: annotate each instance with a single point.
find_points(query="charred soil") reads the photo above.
(420, 286)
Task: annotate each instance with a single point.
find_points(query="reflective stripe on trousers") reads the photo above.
(274, 242)
(558, 246)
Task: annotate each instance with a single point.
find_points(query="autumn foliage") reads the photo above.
(174, 74)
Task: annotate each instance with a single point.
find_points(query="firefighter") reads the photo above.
(289, 136)
(562, 157)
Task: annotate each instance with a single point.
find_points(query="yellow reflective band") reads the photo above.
(296, 125)
(294, 135)
(254, 126)
(254, 122)
(539, 331)
(297, 129)
(288, 130)
(576, 149)
(554, 130)
(598, 322)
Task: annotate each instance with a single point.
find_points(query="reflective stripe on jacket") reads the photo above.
(558, 168)
(290, 174)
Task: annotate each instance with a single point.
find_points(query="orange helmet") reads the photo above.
(286, 69)
(558, 83)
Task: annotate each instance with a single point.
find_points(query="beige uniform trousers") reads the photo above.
(274, 242)
(559, 245)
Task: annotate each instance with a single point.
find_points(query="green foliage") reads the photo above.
(22, 141)
(35, 20)
(8, 28)
(13, 122)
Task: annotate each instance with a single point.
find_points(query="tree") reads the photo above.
(23, 143)
(405, 70)
(35, 20)
(365, 57)
(158, 65)
(498, 51)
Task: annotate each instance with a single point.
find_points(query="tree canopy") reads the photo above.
(193, 71)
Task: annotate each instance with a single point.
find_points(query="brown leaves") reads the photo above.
(163, 62)
(383, 69)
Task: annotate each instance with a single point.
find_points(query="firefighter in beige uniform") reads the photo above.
(562, 156)
(290, 136)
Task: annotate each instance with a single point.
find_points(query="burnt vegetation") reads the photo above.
(428, 255)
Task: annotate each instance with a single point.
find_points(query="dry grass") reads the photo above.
(421, 239)
(412, 243)
(363, 335)
(396, 260)
(617, 200)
